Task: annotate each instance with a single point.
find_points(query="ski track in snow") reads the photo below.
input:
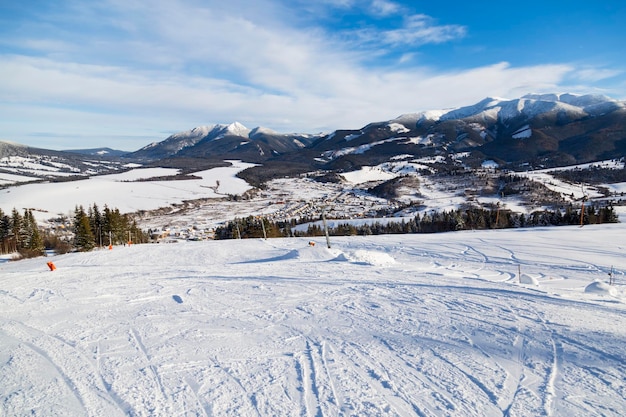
(277, 327)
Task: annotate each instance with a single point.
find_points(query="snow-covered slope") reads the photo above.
(411, 325)
(20, 163)
(174, 143)
(533, 105)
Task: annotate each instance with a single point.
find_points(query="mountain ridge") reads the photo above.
(535, 130)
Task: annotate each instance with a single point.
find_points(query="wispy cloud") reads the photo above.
(385, 7)
(589, 74)
(421, 29)
(344, 97)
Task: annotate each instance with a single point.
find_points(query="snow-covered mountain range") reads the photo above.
(534, 105)
(534, 130)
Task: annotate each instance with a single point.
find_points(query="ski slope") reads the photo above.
(397, 325)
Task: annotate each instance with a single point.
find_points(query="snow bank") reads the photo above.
(366, 257)
(319, 253)
(528, 279)
(601, 288)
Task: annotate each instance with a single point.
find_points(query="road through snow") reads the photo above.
(404, 325)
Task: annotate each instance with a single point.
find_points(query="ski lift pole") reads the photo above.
(582, 213)
(263, 227)
(238, 231)
(497, 215)
(325, 228)
(582, 206)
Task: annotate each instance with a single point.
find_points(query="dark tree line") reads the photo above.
(428, 222)
(92, 228)
(95, 228)
(592, 175)
(254, 227)
(19, 233)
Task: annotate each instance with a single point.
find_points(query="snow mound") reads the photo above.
(370, 258)
(528, 279)
(316, 253)
(320, 253)
(309, 254)
(602, 288)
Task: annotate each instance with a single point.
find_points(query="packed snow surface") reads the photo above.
(397, 325)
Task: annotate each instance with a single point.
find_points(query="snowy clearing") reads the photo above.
(397, 325)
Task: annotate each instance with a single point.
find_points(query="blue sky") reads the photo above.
(124, 73)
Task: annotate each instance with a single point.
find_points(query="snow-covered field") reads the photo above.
(128, 191)
(404, 325)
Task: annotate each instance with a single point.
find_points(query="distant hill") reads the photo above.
(102, 152)
(35, 164)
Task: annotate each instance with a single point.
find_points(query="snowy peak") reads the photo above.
(573, 99)
(493, 108)
(234, 129)
(473, 110)
(237, 129)
(412, 119)
(177, 141)
(196, 132)
(260, 131)
(592, 104)
(529, 106)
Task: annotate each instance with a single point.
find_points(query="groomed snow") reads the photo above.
(398, 325)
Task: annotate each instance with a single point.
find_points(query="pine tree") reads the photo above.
(83, 235)
(96, 223)
(7, 243)
(16, 226)
(35, 242)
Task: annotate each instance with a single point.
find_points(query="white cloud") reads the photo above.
(421, 29)
(595, 74)
(173, 65)
(384, 7)
(336, 98)
(415, 30)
